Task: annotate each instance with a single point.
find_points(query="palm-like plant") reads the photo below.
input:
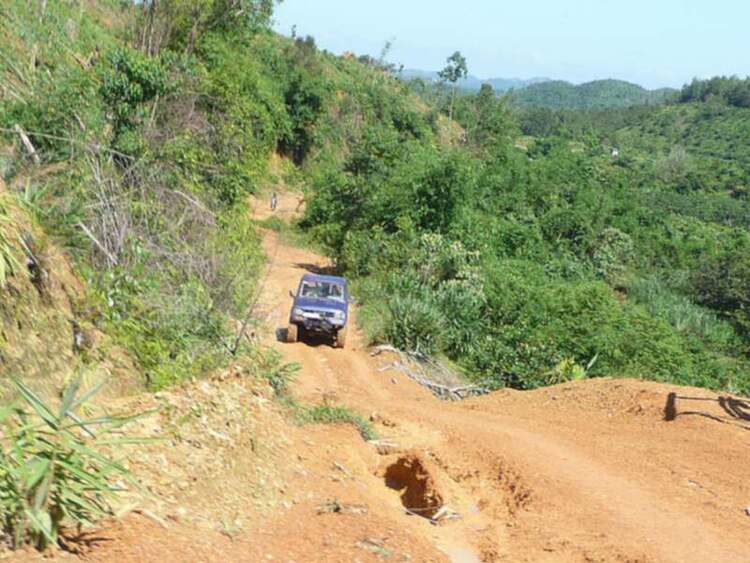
(51, 473)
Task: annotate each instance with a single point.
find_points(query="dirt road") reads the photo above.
(581, 472)
(600, 470)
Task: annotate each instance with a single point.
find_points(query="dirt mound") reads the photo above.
(232, 477)
(606, 397)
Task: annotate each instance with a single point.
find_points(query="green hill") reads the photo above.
(472, 83)
(597, 94)
(525, 260)
(700, 147)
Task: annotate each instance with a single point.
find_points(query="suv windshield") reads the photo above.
(322, 290)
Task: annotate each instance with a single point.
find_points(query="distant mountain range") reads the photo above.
(473, 83)
(557, 94)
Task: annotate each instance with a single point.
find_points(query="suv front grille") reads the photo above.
(324, 314)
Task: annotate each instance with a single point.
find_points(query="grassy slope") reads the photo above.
(47, 336)
(160, 182)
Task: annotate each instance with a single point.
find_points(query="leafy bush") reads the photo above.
(128, 80)
(723, 282)
(415, 324)
(613, 256)
(51, 473)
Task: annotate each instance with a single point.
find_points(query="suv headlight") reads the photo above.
(339, 315)
(297, 313)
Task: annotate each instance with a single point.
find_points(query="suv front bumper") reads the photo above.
(320, 325)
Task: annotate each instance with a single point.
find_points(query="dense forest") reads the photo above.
(513, 242)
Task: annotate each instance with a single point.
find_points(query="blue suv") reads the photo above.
(321, 307)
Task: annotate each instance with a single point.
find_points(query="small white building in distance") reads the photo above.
(615, 152)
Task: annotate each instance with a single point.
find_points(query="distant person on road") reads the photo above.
(274, 201)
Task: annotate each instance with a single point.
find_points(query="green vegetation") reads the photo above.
(268, 365)
(51, 472)
(508, 239)
(455, 70)
(533, 259)
(153, 123)
(327, 414)
(558, 94)
(729, 90)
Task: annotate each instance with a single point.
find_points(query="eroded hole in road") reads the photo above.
(419, 495)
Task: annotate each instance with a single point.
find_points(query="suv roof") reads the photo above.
(319, 278)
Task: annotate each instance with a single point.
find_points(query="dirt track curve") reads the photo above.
(589, 471)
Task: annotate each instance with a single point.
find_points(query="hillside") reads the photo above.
(144, 159)
(576, 262)
(597, 94)
(185, 140)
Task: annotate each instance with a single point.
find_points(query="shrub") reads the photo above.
(327, 414)
(128, 80)
(723, 282)
(415, 324)
(51, 473)
(613, 255)
(268, 364)
(684, 315)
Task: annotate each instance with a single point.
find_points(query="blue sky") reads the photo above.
(652, 42)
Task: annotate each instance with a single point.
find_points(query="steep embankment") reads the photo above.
(46, 330)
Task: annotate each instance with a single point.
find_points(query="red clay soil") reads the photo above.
(600, 470)
(597, 470)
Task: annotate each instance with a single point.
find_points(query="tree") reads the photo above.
(722, 282)
(179, 24)
(454, 70)
(493, 120)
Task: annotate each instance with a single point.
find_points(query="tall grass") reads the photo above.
(51, 472)
(684, 315)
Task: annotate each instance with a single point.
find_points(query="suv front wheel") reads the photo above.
(340, 338)
(292, 333)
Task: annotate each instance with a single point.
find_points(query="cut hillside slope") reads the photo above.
(47, 333)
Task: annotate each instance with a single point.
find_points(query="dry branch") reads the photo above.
(99, 245)
(420, 369)
(27, 144)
